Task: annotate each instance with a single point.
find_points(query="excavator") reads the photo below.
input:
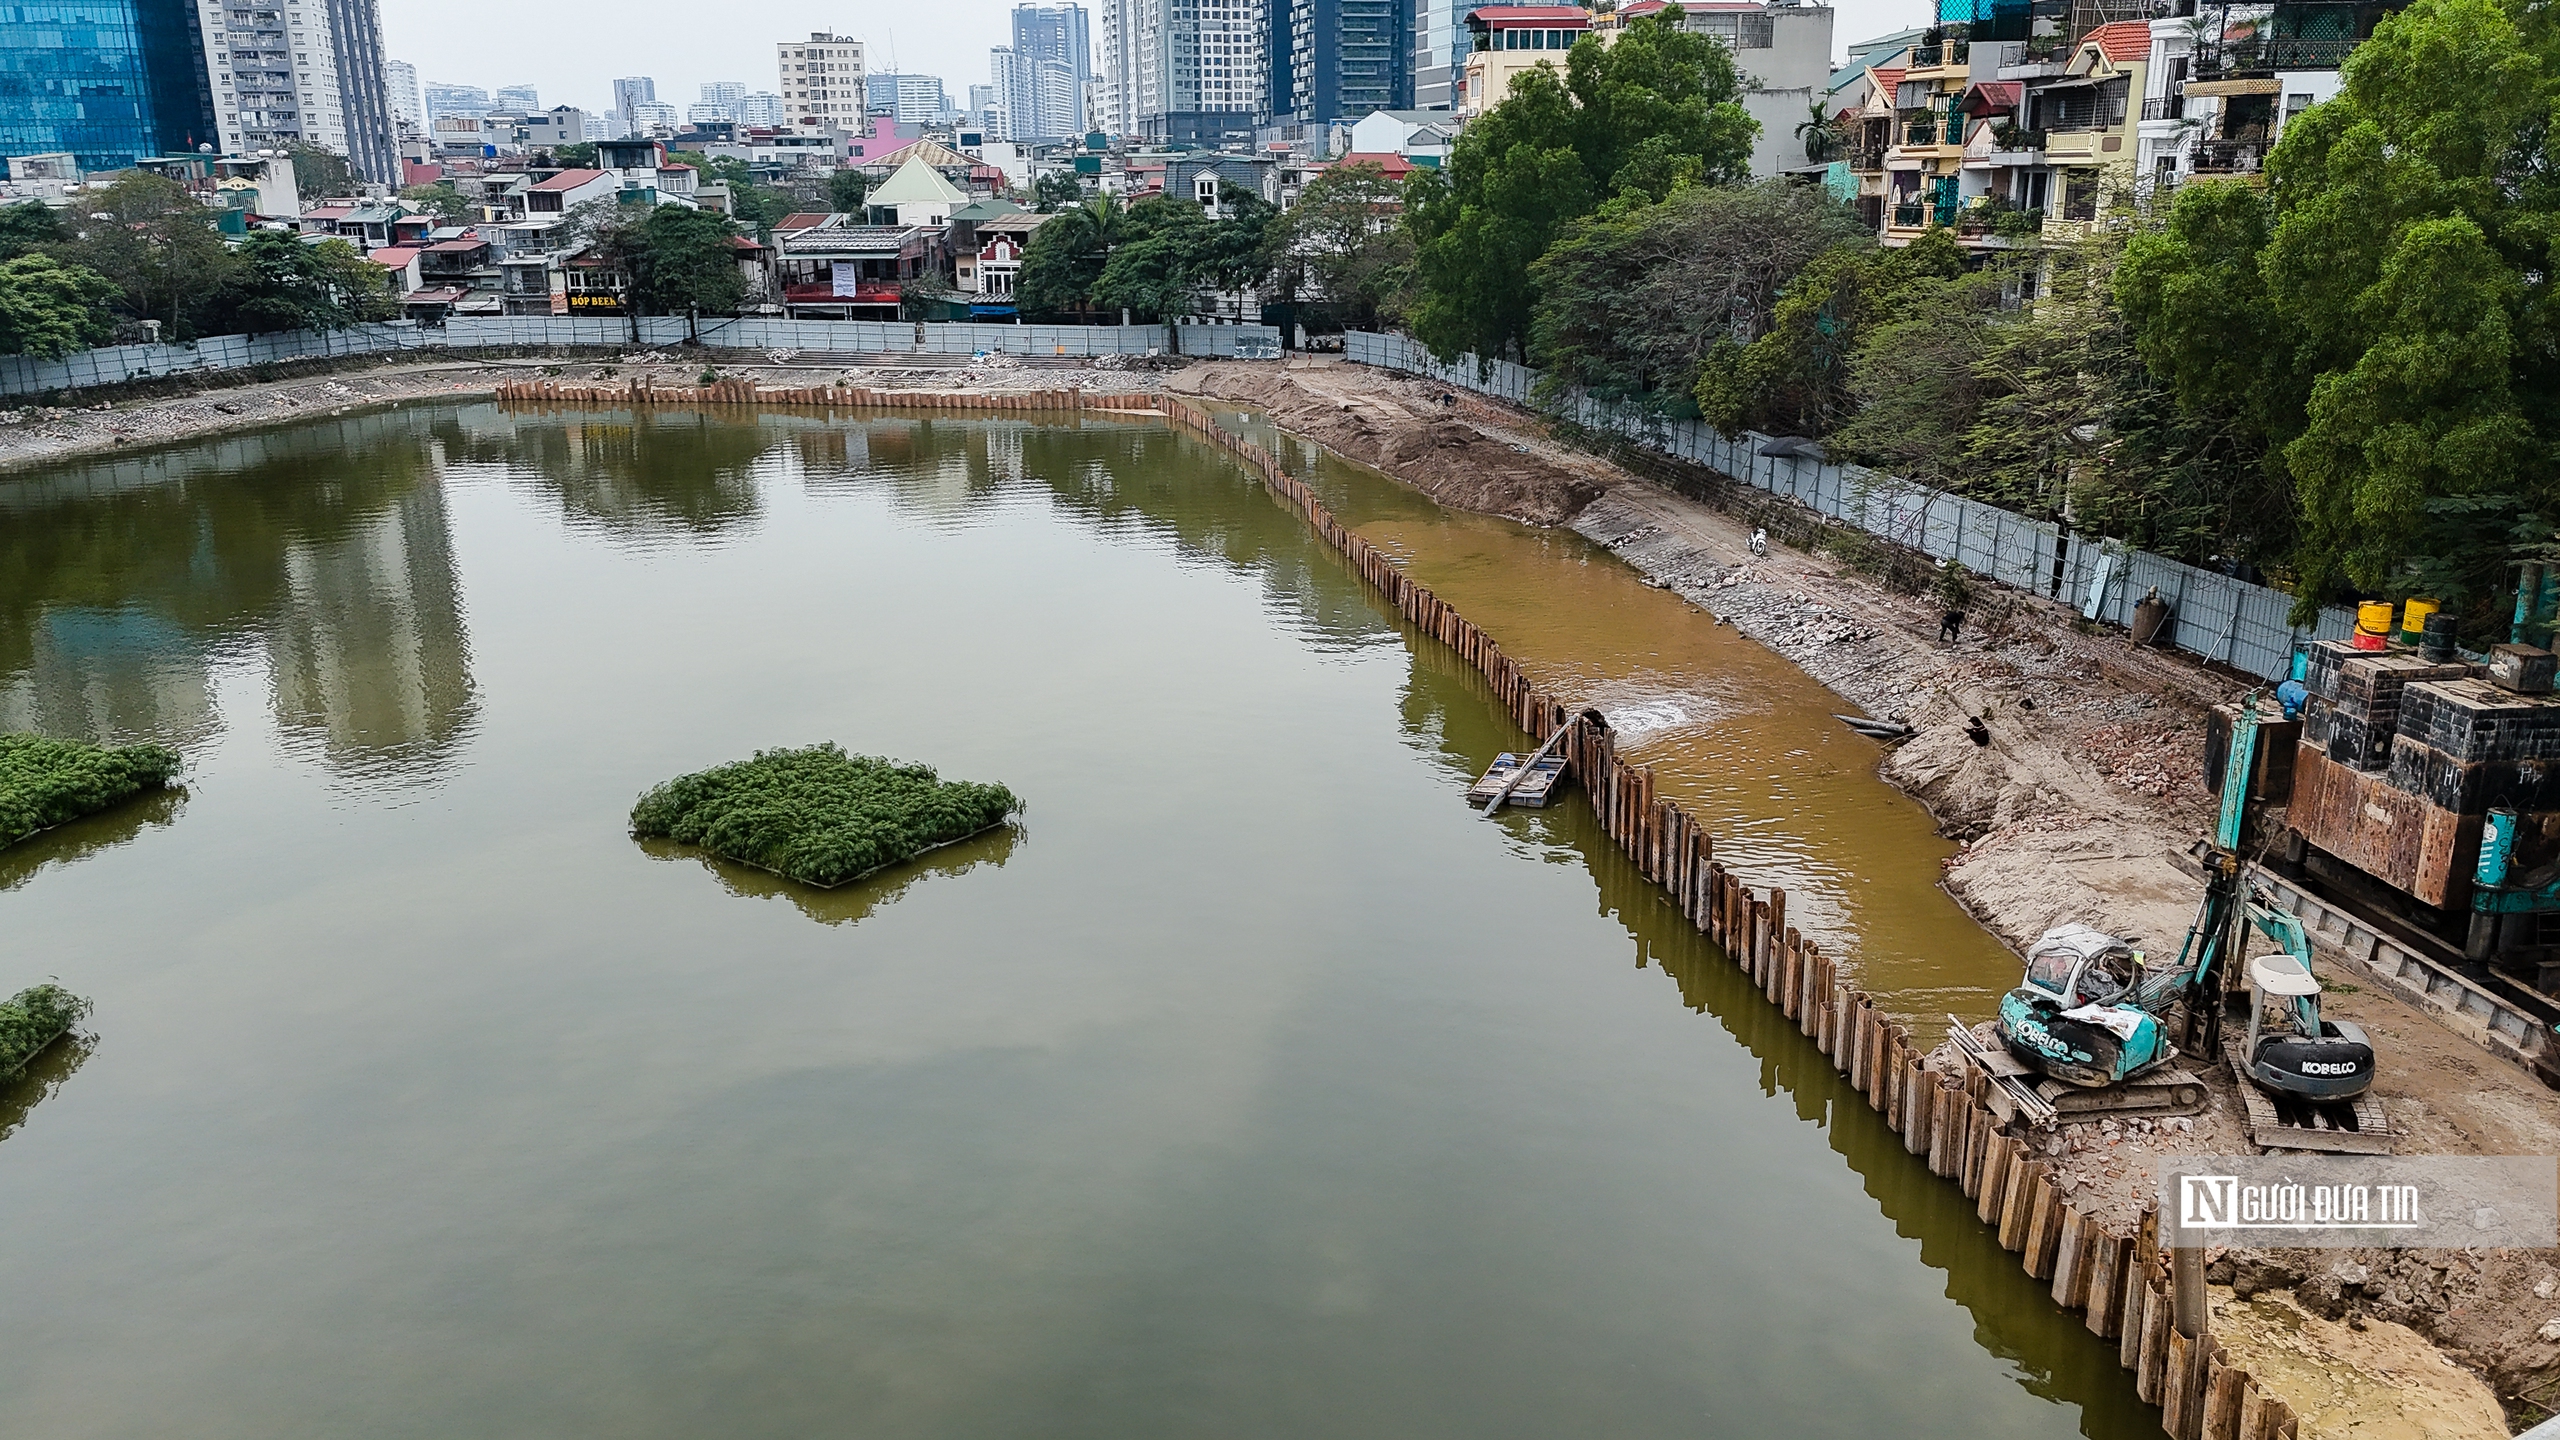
(2093, 1014)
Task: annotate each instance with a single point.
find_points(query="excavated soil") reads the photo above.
(2081, 806)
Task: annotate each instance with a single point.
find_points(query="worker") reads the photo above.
(1950, 625)
(2293, 695)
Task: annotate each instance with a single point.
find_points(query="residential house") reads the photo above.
(1871, 127)
(1202, 176)
(1510, 40)
(402, 262)
(2223, 82)
(1422, 137)
(1782, 53)
(567, 190)
(1924, 160)
(2083, 123)
(850, 270)
(916, 195)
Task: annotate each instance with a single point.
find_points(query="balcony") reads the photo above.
(1865, 157)
(2229, 157)
(2033, 59)
(2165, 107)
(1910, 214)
(1931, 57)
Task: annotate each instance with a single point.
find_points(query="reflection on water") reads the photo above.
(647, 475)
(69, 844)
(854, 901)
(19, 1096)
(323, 551)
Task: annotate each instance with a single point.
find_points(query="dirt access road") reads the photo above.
(2079, 808)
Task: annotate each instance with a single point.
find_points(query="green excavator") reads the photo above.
(2093, 1014)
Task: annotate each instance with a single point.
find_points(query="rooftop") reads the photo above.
(569, 180)
(2122, 40)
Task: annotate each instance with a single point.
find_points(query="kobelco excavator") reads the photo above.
(2094, 1014)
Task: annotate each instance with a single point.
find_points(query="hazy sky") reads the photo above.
(572, 53)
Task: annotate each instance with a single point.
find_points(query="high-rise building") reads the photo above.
(110, 81)
(1185, 72)
(824, 81)
(1345, 58)
(1004, 70)
(763, 108)
(400, 84)
(628, 92)
(912, 99)
(307, 72)
(723, 92)
(647, 115)
(516, 99)
(443, 100)
(1053, 57)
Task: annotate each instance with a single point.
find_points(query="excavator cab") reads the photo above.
(2069, 1018)
(2290, 1049)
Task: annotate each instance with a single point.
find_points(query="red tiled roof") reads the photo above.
(568, 180)
(2122, 40)
(802, 220)
(1886, 80)
(394, 257)
(1993, 97)
(1517, 15)
(456, 247)
(743, 242)
(1394, 165)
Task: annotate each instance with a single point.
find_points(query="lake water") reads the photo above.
(1253, 1087)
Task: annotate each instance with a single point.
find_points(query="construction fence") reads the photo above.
(118, 364)
(2212, 615)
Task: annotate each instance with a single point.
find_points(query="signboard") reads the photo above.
(592, 301)
(847, 275)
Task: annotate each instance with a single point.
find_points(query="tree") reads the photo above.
(2394, 340)
(1342, 239)
(1919, 394)
(751, 200)
(687, 265)
(1820, 134)
(28, 225)
(49, 308)
(440, 199)
(146, 234)
(1626, 123)
(1794, 378)
(280, 283)
(1631, 300)
(846, 190)
(580, 155)
(320, 172)
(1066, 256)
(1055, 189)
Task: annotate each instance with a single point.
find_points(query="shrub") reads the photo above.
(819, 816)
(33, 1019)
(44, 783)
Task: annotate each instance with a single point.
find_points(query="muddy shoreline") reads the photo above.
(2078, 807)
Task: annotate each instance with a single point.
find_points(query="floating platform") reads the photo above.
(1534, 788)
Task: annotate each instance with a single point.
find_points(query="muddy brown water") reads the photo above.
(1253, 1086)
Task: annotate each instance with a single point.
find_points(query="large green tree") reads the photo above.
(686, 263)
(2383, 321)
(1626, 123)
(159, 246)
(1793, 376)
(279, 283)
(28, 225)
(49, 308)
(1632, 300)
(1066, 256)
(1341, 245)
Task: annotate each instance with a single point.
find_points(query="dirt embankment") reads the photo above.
(193, 406)
(2077, 807)
(1422, 444)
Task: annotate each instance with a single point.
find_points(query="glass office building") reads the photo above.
(111, 81)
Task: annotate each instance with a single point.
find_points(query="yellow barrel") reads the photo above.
(2373, 625)
(2413, 617)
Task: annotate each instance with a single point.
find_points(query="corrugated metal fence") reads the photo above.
(2213, 615)
(114, 365)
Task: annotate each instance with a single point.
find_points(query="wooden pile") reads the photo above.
(832, 397)
(2120, 1281)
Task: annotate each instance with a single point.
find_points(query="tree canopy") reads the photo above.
(2382, 320)
(276, 282)
(1626, 123)
(49, 308)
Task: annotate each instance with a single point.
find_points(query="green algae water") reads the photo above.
(1252, 1086)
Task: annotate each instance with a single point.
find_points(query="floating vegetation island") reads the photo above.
(34, 1018)
(820, 816)
(44, 782)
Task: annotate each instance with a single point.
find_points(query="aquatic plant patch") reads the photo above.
(46, 782)
(819, 815)
(32, 1019)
